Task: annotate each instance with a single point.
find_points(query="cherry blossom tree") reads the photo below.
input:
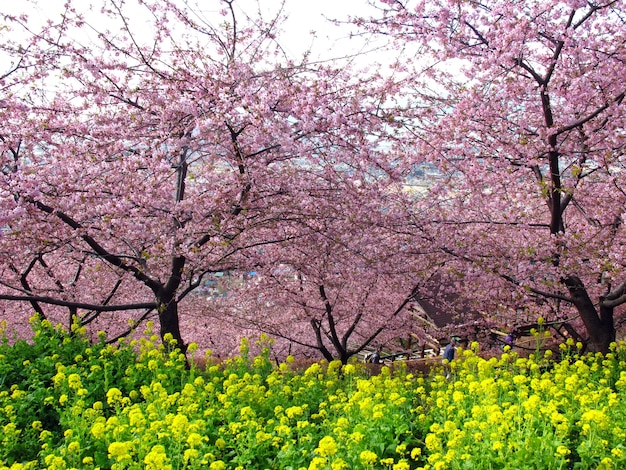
(334, 291)
(145, 147)
(520, 107)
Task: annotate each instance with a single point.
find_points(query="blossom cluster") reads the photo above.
(68, 404)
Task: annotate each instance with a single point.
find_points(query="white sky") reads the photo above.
(313, 15)
(304, 16)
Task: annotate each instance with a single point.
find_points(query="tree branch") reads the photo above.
(616, 297)
(618, 100)
(99, 249)
(83, 305)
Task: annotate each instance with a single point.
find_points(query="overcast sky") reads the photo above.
(305, 16)
(314, 15)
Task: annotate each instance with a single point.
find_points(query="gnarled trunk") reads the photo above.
(600, 326)
(169, 322)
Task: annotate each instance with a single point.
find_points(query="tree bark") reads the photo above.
(169, 321)
(317, 328)
(599, 326)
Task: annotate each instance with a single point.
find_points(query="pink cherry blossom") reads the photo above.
(520, 108)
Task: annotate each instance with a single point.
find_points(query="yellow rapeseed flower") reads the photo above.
(59, 378)
(220, 443)
(190, 455)
(561, 451)
(317, 463)
(433, 443)
(294, 411)
(339, 464)
(157, 459)
(120, 451)
(313, 369)
(114, 395)
(368, 457)
(73, 381)
(194, 439)
(73, 447)
(606, 464)
(98, 429)
(326, 447)
(179, 425)
(54, 462)
(596, 417)
(402, 465)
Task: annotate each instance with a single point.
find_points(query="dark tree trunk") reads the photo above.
(600, 327)
(168, 304)
(317, 328)
(344, 355)
(339, 345)
(169, 321)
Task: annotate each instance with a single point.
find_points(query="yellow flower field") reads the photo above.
(70, 404)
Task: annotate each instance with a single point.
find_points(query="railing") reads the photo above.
(401, 356)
